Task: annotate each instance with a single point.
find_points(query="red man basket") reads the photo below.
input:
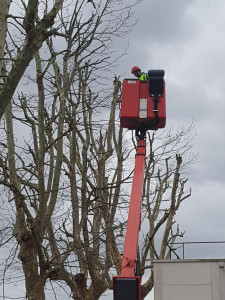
(143, 103)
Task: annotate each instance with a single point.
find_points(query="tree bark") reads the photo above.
(35, 283)
(4, 9)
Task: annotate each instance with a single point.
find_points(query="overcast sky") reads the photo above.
(187, 40)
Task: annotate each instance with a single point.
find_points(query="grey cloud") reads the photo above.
(186, 38)
(164, 21)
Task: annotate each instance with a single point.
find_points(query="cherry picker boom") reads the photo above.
(143, 108)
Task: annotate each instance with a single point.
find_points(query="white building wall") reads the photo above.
(189, 280)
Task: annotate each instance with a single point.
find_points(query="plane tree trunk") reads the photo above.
(4, 9)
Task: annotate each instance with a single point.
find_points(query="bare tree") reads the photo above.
(65, 164)
(86, 224)
(66, 152)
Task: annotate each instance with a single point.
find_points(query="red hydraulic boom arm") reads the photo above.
(127, 285)
(134, 217)
(143, 108)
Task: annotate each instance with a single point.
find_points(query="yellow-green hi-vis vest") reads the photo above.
(143, 77)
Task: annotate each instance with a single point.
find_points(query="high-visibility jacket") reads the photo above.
(143, 77)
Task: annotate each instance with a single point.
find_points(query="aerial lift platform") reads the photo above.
(143, 107)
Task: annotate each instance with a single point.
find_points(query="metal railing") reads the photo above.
(182, 245)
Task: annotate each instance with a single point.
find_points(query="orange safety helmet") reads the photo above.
(135, 68)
